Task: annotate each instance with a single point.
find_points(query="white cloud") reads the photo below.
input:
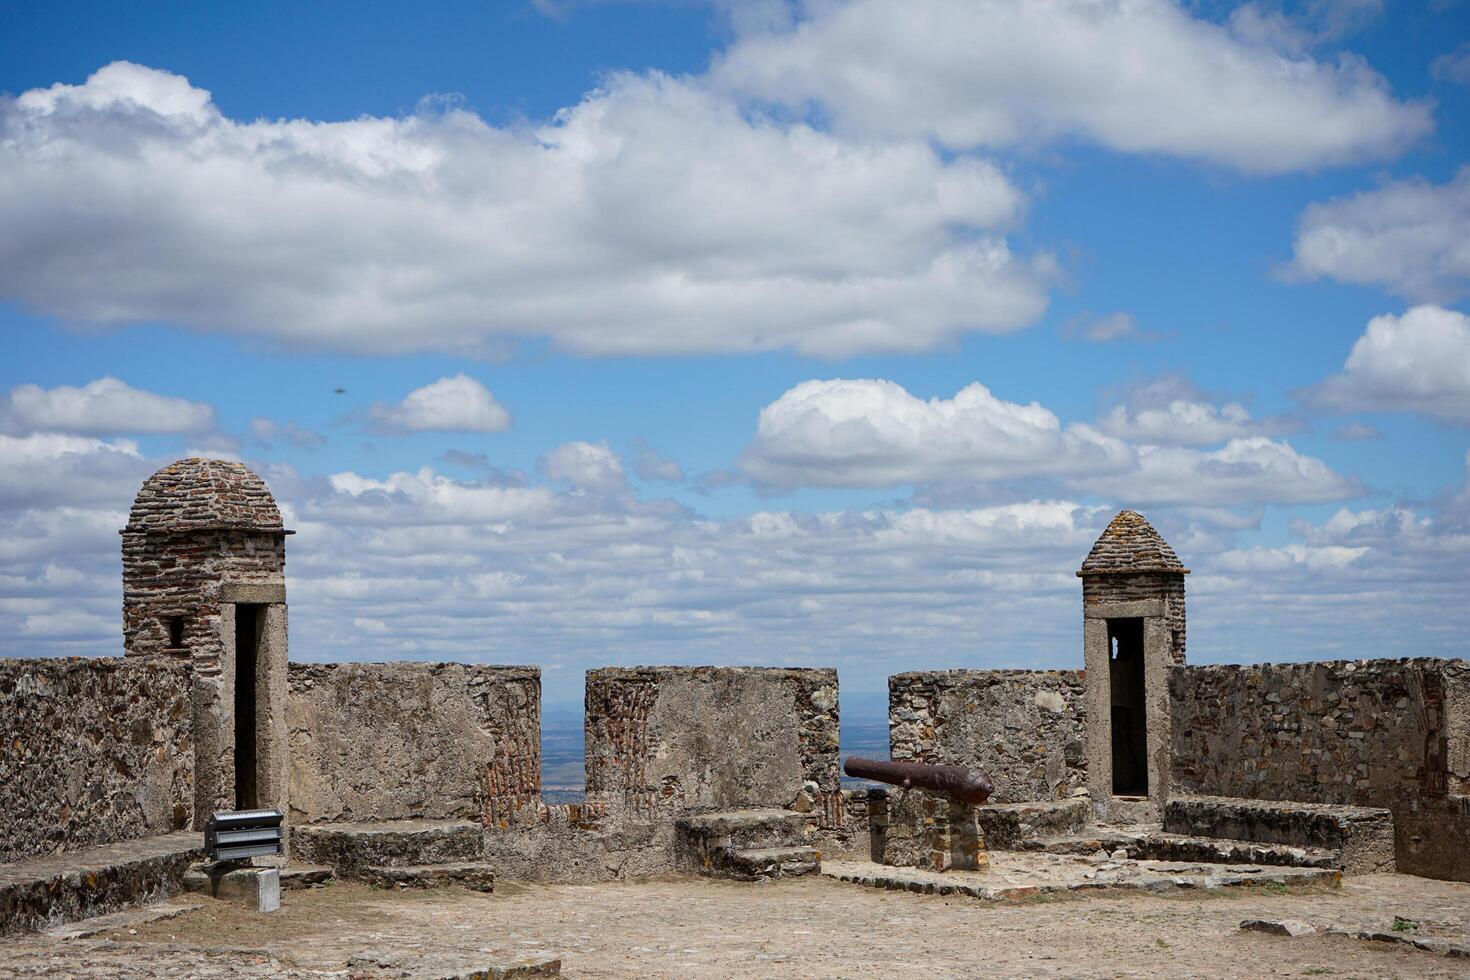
(1244, 471)
(106, 406)
(585, 465)
(871, 433)
(1114, 326)
(655, 216)
(1169, 411)
(415, 565)
(457, 404)
(1417, 362)
(1409, 237)
(1134, 75)
(55, 469)
(650, 466)
(1453, 66)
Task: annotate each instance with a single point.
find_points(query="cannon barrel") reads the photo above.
(957, 782)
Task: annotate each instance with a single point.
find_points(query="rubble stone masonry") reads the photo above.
(1364, 732)
(92, 751)
(1023, 727)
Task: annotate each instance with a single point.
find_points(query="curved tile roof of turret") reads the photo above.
(1130, 544)
(204, 494)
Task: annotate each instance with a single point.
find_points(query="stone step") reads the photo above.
(704, 842)
(476, 876)
(764, 863)
(299, 876)
(1362, 835)
(389, 843)
(48, 891)
(1007, 825)
(1179, 847)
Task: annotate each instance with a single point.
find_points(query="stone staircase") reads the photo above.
(745, 845)
(398, 853)
(1214, 829)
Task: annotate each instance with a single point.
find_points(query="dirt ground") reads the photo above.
(814, 927)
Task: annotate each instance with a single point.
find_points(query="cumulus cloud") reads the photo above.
(1410, 237)
(1172, 412)
(589, 466)
(997, 72)
(1252, 470)
(1418, 362)
(871, 433)
(106, 406)
(58, 469)
(457, 404)
(655, 216)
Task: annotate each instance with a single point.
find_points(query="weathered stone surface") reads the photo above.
(1432, 835)
(1021, 879)
(301, 876)
(437, 965)
(394, 741)
(926, 830)
(1361, 836)
(1023, 727)
(770, 863)
(1279, 927)
(475, 875)
(92, 751)
(259, 888)
(1009, 825)
(127, 919)
(666, 740)
(348, 847)
(41, 892)
(1353, 731)
(1180, 847)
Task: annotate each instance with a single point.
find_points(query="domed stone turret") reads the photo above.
(204, 579)
(1130, 544)
(204, 494)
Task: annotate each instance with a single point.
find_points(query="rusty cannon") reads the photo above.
(960, 783)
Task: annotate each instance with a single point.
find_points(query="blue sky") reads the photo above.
(652, 319)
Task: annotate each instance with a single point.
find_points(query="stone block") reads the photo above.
(926, 830)
(257, 887)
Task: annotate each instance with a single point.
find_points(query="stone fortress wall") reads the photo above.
(92, 751)
(1361, 732)
(96, 751)
(1023, 727)
(392, 741)
(667, 740)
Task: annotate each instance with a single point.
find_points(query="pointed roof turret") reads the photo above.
(1130, 544)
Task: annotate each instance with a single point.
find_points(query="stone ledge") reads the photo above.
(83, 884)
(390, 843)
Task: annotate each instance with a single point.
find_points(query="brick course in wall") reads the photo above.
(1359, 731)
(1023, 727)
(92, 751)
